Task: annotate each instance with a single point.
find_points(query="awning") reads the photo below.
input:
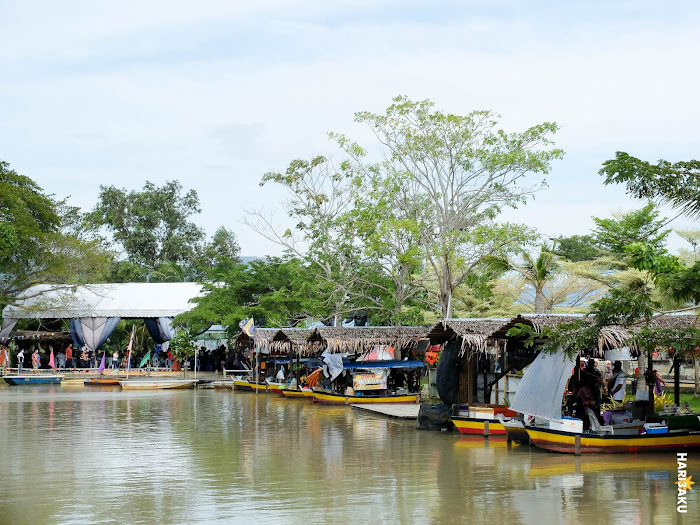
(384, 364)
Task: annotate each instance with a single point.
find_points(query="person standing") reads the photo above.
(115, 360)
(69, 357)
(36, 360)
(618, 383)
(84, 357)
(20, 362)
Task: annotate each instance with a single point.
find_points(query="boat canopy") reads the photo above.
(541, 389)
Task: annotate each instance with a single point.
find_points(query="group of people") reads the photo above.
(589, 388)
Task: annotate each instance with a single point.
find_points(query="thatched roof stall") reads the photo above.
(242, 340)
(474, 334)
(296, 338)
(358, 339)
(270, 340)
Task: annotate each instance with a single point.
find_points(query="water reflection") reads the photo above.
(106, 456)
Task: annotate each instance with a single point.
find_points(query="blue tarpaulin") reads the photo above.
(384, 364)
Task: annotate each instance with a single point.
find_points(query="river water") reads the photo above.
(91, 456)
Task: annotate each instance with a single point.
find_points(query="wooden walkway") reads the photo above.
(393, 410)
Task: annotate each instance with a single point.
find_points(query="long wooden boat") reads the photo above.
(275, 388)
(33, 380)
(295, 393)
(482, 427)
(102, 381)
(516, 431)
(158, 384)
(589, 443)
(342, 399)
(73, 381)
(308, 392)
(249, 386)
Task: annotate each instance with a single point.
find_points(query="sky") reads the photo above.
(215, 93)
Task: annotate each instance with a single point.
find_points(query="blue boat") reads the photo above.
(32, 380)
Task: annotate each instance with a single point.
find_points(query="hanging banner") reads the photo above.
(370, 380)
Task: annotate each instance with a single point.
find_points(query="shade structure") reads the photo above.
(94, 310)
(125, 300)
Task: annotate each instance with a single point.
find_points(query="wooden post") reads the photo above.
(676, 380)
(577, 445)
(486, 428)
(650, 385)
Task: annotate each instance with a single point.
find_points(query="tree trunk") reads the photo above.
(696, 369)
(641, 365)
(539, 301)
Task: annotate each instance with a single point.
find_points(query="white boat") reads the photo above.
(156, 384)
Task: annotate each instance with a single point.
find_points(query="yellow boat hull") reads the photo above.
(298, 394)
(559, 441)
(482, 427)
(341, 399)
(247, 386)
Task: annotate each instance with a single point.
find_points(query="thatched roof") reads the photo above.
(297, 335)
(474, 333)
(362, 338)
(537, 322)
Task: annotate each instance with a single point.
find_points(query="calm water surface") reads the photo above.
(208, 456)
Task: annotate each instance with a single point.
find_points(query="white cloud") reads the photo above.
(215, 94)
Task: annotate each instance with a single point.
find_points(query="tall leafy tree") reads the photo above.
(153, 225)
(643, 225)
(577, 248)
(276, 292)
(675, 183)
(451, 175)
(319, 199)
(28, 219)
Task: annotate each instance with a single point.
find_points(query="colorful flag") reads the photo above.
(52, 363)
(145, 359)
(248, 326)
(128, 350)
(101, 368)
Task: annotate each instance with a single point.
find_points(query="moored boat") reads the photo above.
(249, 386)
(73, 382)
(308, 393)
(595, 443)
(33, 380)
(102, 381)
(343, 399)
(293, 392)
(482, 420)
(158, 384)
(516, 431)
(275, 387)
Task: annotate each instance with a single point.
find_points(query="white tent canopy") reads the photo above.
(125, 300)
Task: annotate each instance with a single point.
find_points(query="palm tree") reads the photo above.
(535, 270)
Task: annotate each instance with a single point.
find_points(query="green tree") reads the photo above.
(641, 225)
(675, 183)
(450, 176)
(577, 248)
(28, 217)
(536, 270)
(320, 195)
(276, 292)
(152, 226)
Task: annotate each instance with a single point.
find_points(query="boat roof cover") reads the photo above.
(126, 300)
(541, 389)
